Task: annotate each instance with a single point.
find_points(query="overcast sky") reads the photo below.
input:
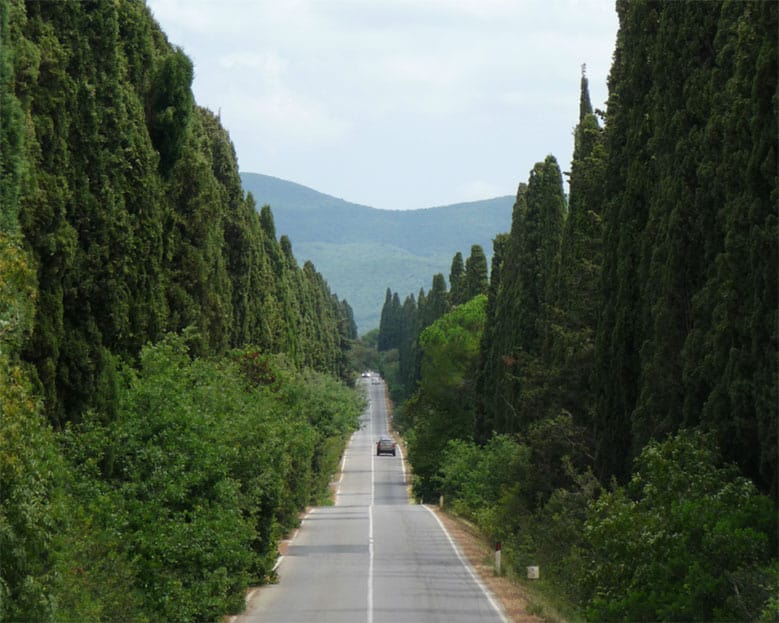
(396, 104)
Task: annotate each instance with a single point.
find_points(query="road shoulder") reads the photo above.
(480, 555)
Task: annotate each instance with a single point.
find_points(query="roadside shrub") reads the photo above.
(184, 492)
(685, 540)
(476, 479)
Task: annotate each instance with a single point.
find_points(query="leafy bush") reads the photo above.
(188, 488)
(686, 540)
(476, 479)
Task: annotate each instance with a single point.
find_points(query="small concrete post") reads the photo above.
(497, 558)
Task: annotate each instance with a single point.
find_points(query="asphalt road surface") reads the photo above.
(372, 557)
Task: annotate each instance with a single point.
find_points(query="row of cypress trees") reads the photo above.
(646, 301)
(401, 325)
(168, 391)
(618, 421)
(128, 199)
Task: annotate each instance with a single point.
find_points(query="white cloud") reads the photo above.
(425, 99)
(281, 117)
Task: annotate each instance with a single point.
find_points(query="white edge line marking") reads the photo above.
(402, 463)
(292, 538)
(343, 466)
(487, 592)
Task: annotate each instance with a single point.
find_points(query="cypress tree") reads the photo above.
(672, 254)
(525, 286)
(489, 364)
(170, 106)
(92, 193)
(391, 321)
(385, 322)
(573, 303)
(436, 303)
(538, 247)
(457, 293)
(475, 279)
(200, 293)
(407, 344)
(729, 356)
(498, 361)
(629, 176)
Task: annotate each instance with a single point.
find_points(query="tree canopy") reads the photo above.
(168, 373)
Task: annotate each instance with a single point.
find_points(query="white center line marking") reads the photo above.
(370, 525)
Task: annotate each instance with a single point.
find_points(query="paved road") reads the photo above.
(372, 557)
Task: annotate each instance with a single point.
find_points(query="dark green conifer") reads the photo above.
(489, 364)
(385, 322)
(437, 302)
(498, 358)
(456, 285)
(475, 278)
(573, 303)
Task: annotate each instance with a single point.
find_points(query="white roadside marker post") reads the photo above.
(497, 558)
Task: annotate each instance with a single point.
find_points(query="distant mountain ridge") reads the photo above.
(361, 251)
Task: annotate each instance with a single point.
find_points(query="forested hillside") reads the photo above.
(168, 372)
(362, 250)
(609, 409)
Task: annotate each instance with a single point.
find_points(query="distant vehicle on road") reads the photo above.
(385, 446)
(365, 375)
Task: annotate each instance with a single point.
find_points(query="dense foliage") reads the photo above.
(131, 207)
(192, 483)
(443, 408)
(685, 540)
(169, 398)
(622, 413)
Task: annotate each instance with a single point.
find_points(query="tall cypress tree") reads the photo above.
(525, 285)
(407, 344)
(385, 322)
(200, 290)
(539, 249)
(456, 284)
(628, 178)
(498, 361)
(730, 363)
(538, 246)
(489, 364)
(436, 303)
(572, 306)
(12, 130)
(672, 253)
(93, 207)
(475, 278)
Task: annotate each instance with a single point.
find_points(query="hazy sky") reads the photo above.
(396, 104)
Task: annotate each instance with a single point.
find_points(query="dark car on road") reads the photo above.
(385, 446)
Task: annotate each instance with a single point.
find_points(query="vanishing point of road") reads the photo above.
(373, 557)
